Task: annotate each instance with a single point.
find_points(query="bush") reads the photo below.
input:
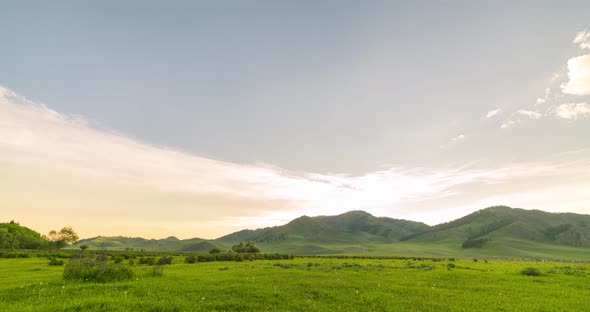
(158, 270)
(530, 271)
(165, 260)
(147, 260)
(190, 259)
(451, 266)
(245, 248)
(96, 270)
(53, 261)
(474, 243)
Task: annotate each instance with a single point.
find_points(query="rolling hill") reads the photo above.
(16, 236)
(353, 231)
(498, 231)
(501, 223)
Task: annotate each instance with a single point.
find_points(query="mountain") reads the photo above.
(351, 231)
(16, 236)
(498, 224)
(498, 231)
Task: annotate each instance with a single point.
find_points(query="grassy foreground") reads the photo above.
(305, 284)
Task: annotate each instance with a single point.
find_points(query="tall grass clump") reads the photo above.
(530, 271)
(96, 270)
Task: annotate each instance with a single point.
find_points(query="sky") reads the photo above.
(200, 118)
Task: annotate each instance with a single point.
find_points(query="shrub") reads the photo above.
(451, 266)
(53, 261)
(96, 270)
(530, 271)
(157, 270)
(245, 248)
(147, 260)
(165, 260)
(474, 243)
(190, 259)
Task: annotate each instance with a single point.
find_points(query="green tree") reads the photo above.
(245, 248)
(64, 237)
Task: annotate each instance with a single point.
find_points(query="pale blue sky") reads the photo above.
(330, 87)
(338, 86)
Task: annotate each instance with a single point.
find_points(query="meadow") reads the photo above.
(305, 284)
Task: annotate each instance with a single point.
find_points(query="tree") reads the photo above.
(64, 237)
(245, 248)
(214, 250)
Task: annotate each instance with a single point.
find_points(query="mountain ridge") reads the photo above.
(493, 231)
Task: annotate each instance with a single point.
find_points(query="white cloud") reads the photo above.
(572, 110)
(530, 114)
(540, 101)
(56, 168)
(579, 76)
(493, 113)
(507, 124)
(96, 176)
(458, 138)
(583, 39)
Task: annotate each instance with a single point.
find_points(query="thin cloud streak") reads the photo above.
(493, 113)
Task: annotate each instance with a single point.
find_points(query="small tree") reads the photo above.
(245, 248)
(64, 237)
(215, 250)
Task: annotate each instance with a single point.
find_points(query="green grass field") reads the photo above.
(305, 284)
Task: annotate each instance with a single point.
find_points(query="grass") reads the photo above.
(312, 284)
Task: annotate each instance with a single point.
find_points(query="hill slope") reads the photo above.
(16, 236)
(492, 232)
(354, 231)
(121, 242)
(500, 224)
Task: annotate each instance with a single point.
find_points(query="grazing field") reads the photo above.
(310, 284)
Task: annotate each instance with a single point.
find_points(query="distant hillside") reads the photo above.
(354, 230)
(16, 236)
(492, 232)
(137, 243)
(495, 225)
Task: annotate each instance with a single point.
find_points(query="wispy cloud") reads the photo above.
(493, 113)
(458, 138)
(583, 39)
(529, 114)
(573, 110)
(575, 83)
(507, 124)
(55, 165)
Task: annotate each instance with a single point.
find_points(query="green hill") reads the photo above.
(501, 222)
(121, 242)
(16, 236)
(492, 232)
(354, 231)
